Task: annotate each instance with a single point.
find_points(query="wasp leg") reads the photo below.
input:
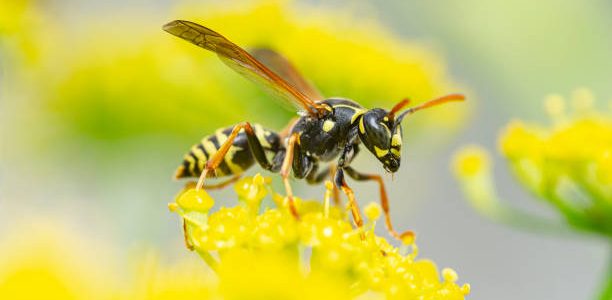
(222, 184)
(357, 218)
(335, 191)
(384, 200)
(303, 165)
(285, 171)
(254, 145)
(315, 177)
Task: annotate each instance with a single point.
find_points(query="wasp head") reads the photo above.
(382, 136)
(381, 130)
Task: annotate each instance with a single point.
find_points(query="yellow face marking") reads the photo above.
(396, 140)
(386, 119)
(380, 152)
(328, 125)
(361, 127)
(395, 152)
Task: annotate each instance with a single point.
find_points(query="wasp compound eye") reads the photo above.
(375, 132)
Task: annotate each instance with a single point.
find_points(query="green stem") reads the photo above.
(606, 285)
(209, 259)
(483, 197)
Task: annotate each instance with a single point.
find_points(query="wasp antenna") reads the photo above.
(430, 103)
(397, 108)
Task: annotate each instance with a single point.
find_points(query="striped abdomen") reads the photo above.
(237, 160)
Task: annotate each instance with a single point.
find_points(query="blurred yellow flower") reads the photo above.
(17, 35)
(47, 261)
(37, 262)
(127, 78)
(471, 161)
(268, 254)
(568, 164)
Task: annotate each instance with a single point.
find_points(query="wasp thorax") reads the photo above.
(382, 136)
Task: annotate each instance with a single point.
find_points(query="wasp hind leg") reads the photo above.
(384, 202)
(254, 146)
(215, 186)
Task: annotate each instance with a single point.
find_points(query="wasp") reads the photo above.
(328, 130)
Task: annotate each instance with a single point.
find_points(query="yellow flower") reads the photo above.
(372, 211)
(45, 260)
(567, 164)
(471, 161)
(262, 255)
(319, 256)
(18, 36)
(41, 261)
(521, 140)
(153, 281)
(133, 80)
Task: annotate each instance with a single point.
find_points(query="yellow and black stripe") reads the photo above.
(237, 160)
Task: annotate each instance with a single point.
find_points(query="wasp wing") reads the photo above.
(241, 61)
(286, 70)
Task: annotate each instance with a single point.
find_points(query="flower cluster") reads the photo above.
(260, 252)
(568, 164)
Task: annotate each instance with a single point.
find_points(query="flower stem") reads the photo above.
(482, 195)
(209, 259)
(606, 286)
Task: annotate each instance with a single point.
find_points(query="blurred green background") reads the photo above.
(98, 105)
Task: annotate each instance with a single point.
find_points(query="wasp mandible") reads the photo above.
(327, 129)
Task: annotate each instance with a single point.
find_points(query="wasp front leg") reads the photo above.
(345, 158)
(384, 201)
(286, 170)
